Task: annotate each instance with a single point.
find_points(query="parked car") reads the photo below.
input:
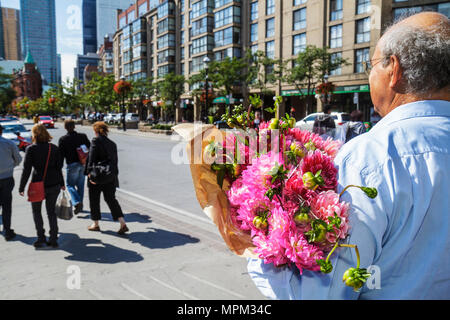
(117, 118)
(307, 122)
(109, 118)
(11, 130)
(131, 117)
(47, 121)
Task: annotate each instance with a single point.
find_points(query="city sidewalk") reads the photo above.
(166, 255)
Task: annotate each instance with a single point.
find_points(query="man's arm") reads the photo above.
(16, 155)
(27, 166)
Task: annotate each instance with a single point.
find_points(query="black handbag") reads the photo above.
(101, 172)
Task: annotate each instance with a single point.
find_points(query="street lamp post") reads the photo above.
(206, 61)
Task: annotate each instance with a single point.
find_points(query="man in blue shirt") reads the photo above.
(9, 158)
(403, 234)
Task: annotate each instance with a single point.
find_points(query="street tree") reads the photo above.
(170, 89)
(308, 68)
(7, 93)
(141, 89)
(99, 92)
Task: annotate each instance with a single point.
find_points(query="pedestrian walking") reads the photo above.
(355, 126)
(324, 123)
(10, 158)
(103, 171)
(72, 147)
(46, 161)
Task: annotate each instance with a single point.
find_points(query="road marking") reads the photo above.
(134, 292)
(165, 206)
(213, 285)
(174, 289)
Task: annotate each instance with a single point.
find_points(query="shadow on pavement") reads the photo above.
(129, 217)
(94, 250)
(157, 238)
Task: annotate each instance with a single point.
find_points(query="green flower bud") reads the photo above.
(310, 146)
(301, 218)
(274, 124)
(325, 266)
(370, 192)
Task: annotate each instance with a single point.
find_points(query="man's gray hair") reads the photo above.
(424, 55)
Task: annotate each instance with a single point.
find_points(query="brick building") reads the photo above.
(27, 82)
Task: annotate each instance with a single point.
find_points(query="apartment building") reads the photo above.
(154, 38)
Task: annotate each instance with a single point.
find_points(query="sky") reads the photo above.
(68, 32)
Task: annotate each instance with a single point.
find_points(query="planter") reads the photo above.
(144, 128)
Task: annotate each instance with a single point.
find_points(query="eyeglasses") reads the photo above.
(368, 66)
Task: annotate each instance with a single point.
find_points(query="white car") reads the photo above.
(109, 118)
(132, 117)
(10, 130)
(307, 122)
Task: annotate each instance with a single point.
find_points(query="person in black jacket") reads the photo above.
(103, 151)
(36, 158)
(68, 146)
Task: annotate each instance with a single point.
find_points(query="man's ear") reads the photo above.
(395, 73)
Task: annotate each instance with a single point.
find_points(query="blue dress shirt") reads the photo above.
(404, 232)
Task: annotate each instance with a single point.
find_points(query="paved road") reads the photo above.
(172, 252)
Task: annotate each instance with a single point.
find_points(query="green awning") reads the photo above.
(221, 100)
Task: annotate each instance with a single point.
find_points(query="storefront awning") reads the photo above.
(338, 90)
(221, 100)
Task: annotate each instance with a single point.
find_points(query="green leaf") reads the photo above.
(220, 178)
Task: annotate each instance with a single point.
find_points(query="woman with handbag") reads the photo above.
(46, 182)
(102, 171)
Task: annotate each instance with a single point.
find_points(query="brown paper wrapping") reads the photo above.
(211, 197)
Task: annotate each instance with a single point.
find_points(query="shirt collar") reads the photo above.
(425, 108)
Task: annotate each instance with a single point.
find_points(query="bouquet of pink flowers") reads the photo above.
(281, 192)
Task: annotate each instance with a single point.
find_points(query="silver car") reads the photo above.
(10, 130)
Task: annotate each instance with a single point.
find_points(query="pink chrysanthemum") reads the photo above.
(316, 161)
(302, 253)
(325, 205)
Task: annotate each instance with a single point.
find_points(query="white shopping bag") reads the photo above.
(64, 206)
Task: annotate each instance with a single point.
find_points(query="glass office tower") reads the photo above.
(89, 26)
(38, 28)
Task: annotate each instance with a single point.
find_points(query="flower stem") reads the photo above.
(345, 189)
(356, 250)
(332, 250)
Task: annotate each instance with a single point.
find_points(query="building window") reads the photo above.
(138, 25)
(139, 37)
(298, 2)
(221, 3)
(298, 43)
(228, 15)
(182, 68)
(202, 44)
(270, 49)
(227, 53)
(227, 36)
(122, 22)
(142, 9)
(254, 10)
(200, 8)
(200, 26)
(164, 70)
(165, 9)
(166, 56)
(334, 57)
(254, 32)
(363, 30)
(165, 25)
(182, 20)
(181, 37)
(443, 8)
(336, 10)
(270, 7)
(299, 19)
(139, 52)
(362, 6)
(181, 5)
(270, 27)
(336, 36)
(182, 53)
(254, 48)
(361, 57)
(131, 16)
(167, 40)
(197, 64)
